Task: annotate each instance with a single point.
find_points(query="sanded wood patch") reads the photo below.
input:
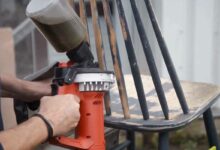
(199, 97)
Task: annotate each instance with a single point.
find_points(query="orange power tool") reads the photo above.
(89, 83)
(81, 76)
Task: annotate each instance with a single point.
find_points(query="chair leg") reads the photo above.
(131, 138)
(163, 141)
(211, 129)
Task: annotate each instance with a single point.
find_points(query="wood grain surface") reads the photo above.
(199, 97)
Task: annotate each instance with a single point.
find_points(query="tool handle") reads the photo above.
(90, 129)
(79, 143)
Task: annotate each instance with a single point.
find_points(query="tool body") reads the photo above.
(90, 90)
(80, 76)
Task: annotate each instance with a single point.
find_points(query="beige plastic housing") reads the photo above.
(58, 22)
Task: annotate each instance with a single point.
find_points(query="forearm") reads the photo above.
(6, 94)
(24, 90)
(26, 136)
(10, 83)
(24, 97)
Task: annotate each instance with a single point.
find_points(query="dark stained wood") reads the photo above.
(133, 61)
(116, 60)
(99, 48)
(83, 16)
(88, 7)
(98, 35)
(167, 58)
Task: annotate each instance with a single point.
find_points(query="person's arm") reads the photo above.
(25, 136)
(13, 87)
(62, 112)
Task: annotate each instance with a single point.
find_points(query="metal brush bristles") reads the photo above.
(94, 86)
(95, 81)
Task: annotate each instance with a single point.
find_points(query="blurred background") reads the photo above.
(191, 30)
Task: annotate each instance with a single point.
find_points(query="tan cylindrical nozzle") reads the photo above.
(58, 22)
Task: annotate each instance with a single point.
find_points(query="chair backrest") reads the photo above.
(86, 9)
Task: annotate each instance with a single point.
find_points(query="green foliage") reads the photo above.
(213, 148)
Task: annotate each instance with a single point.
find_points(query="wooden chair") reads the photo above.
(140, 103)
(154, 104)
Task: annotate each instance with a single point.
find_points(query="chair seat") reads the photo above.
(199, 96)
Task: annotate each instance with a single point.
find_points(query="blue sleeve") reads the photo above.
(1, 148)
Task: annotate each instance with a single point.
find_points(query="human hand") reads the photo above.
(62, 111)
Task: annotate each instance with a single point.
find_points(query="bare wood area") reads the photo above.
(199, 96)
